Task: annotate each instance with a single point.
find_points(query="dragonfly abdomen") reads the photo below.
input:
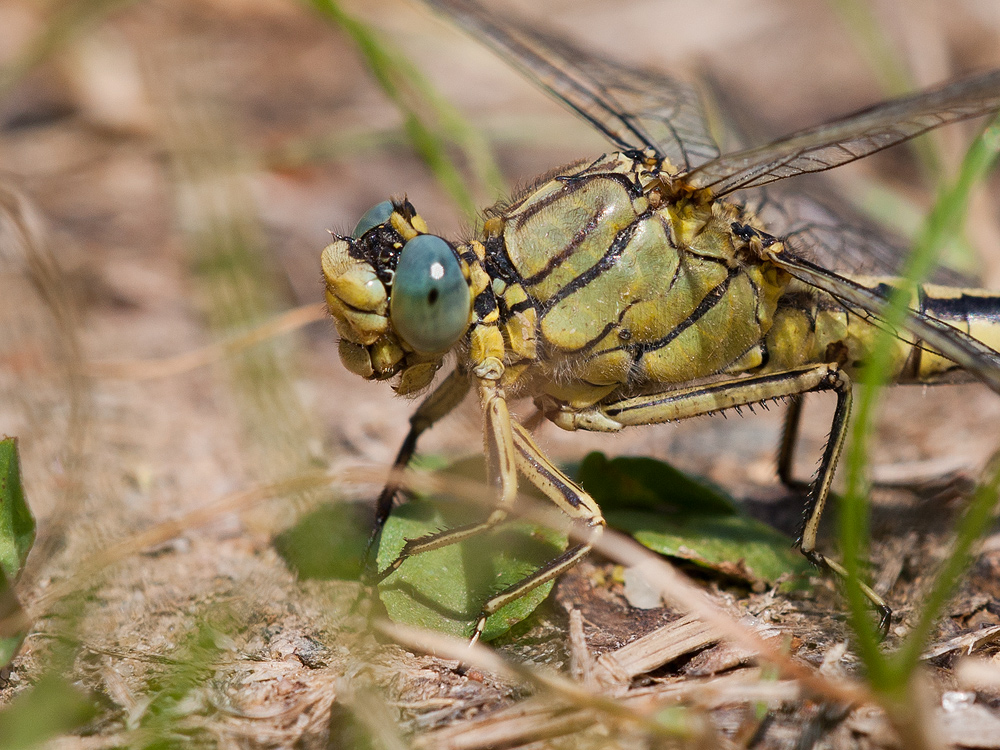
(971, 310)
(814, 328)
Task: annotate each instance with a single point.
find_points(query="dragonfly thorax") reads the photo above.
(629, 285)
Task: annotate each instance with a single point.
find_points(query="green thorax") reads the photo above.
(629, 286)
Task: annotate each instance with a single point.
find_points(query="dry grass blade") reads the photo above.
(232, 264)
(570, 707)
(165, 367)
(683, 595)
(539, 718)
(533, 720)
(88, 569)
(967, 643)
(41, 350)
(573, 697)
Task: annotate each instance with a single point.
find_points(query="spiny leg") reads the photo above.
(497, 425)
(690, 402)
(821, 491)
(682, 403)
(570, 498)
(789, 440)
(935, 483)
(448, 394)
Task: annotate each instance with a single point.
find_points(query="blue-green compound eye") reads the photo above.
(372, 218)
(430, 300)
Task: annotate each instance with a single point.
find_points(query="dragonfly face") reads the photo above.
(399, 295)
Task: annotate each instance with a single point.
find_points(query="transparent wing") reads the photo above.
(851, 137)
(634, 108)
(823, 228)
(973, 356)
(818, 222)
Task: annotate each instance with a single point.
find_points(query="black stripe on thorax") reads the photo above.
(485, 303)
(608, 260)
(638, 350)
(520, 306)
(574, 244)
(498, 264)
(709, 301)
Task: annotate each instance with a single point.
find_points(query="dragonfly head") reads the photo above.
(400, 296)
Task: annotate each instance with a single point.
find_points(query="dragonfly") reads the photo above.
(645, 286)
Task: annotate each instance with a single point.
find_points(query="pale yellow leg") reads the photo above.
(512, 449)
(497, 424)
(697, 400)
(570, 498)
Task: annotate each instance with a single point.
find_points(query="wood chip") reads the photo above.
(581, 661)
(653, 650)
(966, 643)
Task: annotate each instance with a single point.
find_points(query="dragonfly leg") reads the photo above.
(821, 491)
(500, 443)
(789, 440)
(570, 498)
(511, 449)
(682, 403)
(449, 394)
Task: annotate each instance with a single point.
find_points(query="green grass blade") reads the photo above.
(17, 525)
(975, 522)
(952, 206)
(944, 221)
(52, 706)
(893, 74)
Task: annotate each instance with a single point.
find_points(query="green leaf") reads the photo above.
(737, 546)
(630, 482)
(17, 525)
(17, 534)
(51, 707)
(665, 509)
(11, 637)
(445, 589)
(327, 543)
(689, 518)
